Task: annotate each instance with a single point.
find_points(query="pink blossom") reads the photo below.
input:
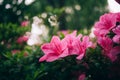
(54, 50)
(82, 77)
(117, 15)
(22, 39)
(108, 49)
(24, 23)
(80, 46)
(70, 38)
(116, 30)
(105, 24)
(70, 45)
(76, 46)
(116, 39)
(15, 51)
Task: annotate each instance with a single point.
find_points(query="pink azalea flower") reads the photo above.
(108, 49)
(105, 24)
(24, 23)
(15, 51)
(117, 16)
(54, 50)
(116, 38)
(70, 38)
(80, 46)
(82, 77)
(116, 30)
(22, 39)
(70, 45)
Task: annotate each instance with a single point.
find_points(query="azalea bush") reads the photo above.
(81, 57)
(37, 48)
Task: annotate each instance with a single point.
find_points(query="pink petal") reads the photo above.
(115, 51)
(56, 44)
(47, 48)
(81, 77)
(80, 56)
(105, 24)
(116, 30)
(79, 36)
(77, 47)
(106, 43)
(65, 53)
(86, 43)
(43, 58)
(55, 39)
(63, 44)
(74, 33)
(118, 17)
(70, 39)
(116, 38)
(51, 58)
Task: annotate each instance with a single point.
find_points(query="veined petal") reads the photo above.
(65, 53)
(80, 56)
(106, 43)
(115, 51)
(116, 30)
(86, 43)
(55, 39)
(56, 44)
(47, 48)
(43, 58)
(116, 38)
(51, 58)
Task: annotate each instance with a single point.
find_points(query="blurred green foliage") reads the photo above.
(9, 35)
(25, 65)
(72, 14)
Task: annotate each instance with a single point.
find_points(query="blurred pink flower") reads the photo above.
(80, 46)
(22, 39)
(82, 77)
(116, 30)
(70, 38)
(54, 50)
(116, 38)
(108, 49)
(24, 23)
(70, 45)
(15, 51)
(105, 24)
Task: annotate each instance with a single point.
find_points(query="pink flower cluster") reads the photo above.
(70, 45)
(15, 51)
(109, 49)
(24, 23)
(22, 39)
(107, 31)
